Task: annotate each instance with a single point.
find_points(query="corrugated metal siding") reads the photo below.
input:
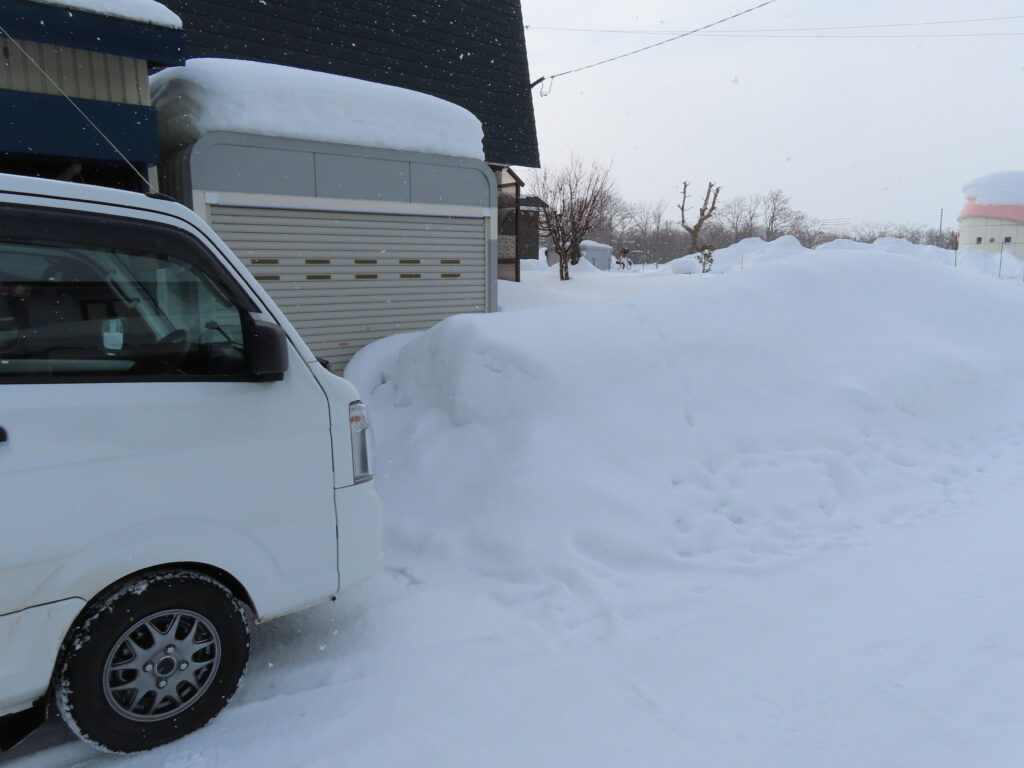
(81, 74)
(346, 279)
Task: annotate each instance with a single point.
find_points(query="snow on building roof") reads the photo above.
(996, 195)
(143, 11)
(1003, 188)
(209, 95)
(594, 244)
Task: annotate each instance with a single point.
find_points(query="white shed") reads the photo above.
(598, 254)
(363, 209)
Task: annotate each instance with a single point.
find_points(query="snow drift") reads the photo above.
(734, 420)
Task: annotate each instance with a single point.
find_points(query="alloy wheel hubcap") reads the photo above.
(161, 666)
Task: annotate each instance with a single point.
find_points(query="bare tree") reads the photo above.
(706, 211)
(810, 232)
(778, 216)
(579, 196)
(646, 229)
(741, 217)
(611, 222)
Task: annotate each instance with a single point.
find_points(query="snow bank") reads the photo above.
(1002, 188)
(252, 97)
(144, 11)
(731, 420)
(687, 265)
(754, 252)
(1006, 267)
(533, 265)
(740, 255)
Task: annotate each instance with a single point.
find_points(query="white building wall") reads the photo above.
(980, 233)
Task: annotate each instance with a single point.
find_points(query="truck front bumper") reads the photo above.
(360, 532)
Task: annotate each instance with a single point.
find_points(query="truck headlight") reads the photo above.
(362, 442)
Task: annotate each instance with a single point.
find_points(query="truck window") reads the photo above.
(88, 311)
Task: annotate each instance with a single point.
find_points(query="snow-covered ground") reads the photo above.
(765, 518)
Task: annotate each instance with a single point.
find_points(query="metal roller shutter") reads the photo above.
(345, 279)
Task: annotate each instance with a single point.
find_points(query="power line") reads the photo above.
(782, 29)
(663, 42)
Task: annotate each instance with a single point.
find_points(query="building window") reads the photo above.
(991, 239)
(1007, 239)
(978, 241)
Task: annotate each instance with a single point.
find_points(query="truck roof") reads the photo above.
(90, 193)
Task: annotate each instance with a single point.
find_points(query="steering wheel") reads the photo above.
(174, 347)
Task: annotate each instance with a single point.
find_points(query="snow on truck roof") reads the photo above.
(143, 11)
(209, 95)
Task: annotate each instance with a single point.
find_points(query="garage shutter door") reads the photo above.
(345, 279)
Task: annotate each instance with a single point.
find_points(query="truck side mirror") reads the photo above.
(268, 351)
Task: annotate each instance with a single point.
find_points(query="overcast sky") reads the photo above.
(861, 128)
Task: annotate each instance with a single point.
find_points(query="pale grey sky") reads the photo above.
(861, 128)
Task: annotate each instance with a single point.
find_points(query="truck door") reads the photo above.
(135, 434)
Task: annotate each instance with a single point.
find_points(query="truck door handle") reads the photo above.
(3, 435)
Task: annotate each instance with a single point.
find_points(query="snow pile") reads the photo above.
(1007, 266)
(533, 265)
(898, 245)
(687, 265)
(740, 255)
(734, 420)
(1002, 188)
(144, 11)
(754, 252)
(209, 95)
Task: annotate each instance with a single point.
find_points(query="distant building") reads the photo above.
(598, 254)
(530, 208)
(992, 219)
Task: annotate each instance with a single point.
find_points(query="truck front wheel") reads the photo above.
(152, 661)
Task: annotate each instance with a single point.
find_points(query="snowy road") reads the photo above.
(898, 652)
(799, 546)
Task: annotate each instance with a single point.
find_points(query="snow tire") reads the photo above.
(151, 661)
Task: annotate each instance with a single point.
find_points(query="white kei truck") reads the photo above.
(174, 464)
